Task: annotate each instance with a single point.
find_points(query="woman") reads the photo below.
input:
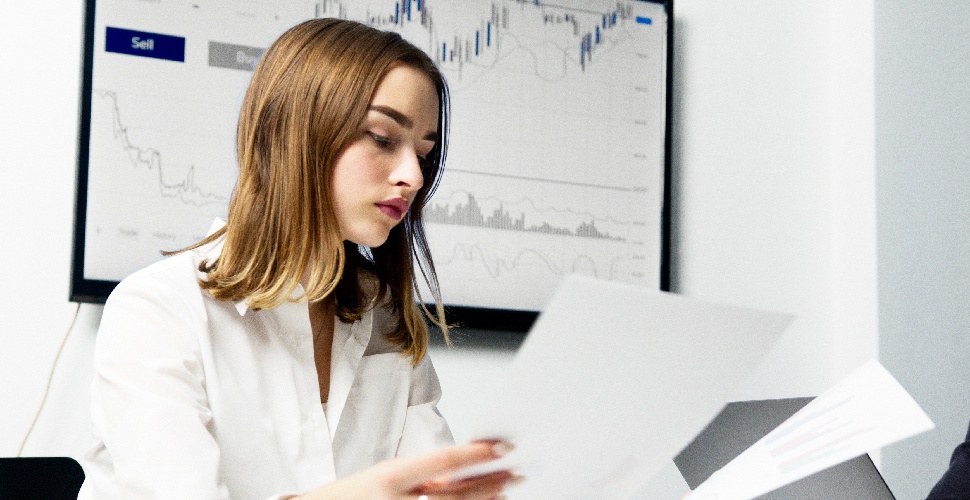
(286, 349)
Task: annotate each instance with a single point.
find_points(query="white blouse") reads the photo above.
(197, 398)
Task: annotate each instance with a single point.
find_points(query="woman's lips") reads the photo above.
(395, 208)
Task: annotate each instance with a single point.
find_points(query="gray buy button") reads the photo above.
(227, 55)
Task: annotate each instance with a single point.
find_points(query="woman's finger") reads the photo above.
(494, 482)
(410, 473)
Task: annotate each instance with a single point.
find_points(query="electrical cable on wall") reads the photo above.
(50, 377)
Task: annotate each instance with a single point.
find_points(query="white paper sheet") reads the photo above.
(866, 410)
(613, 381)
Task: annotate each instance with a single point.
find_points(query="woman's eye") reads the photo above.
(424, 153)
(381, 140)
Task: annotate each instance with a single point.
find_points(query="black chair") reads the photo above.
(29, 478)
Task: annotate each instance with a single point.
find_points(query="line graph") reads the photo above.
(151, 186)
(553, 181)
(496, 266)
(526, 266)
(148, 158)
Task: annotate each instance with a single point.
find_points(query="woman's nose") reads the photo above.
(407, 172)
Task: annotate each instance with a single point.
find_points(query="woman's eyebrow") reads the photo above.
(394, 115)
(399, 117)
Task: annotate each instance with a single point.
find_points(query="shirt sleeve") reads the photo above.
(425, 429)
(149, 405)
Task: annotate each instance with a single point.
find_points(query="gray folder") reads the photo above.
(740, 424)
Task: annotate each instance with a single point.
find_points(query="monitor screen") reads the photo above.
(557, 159)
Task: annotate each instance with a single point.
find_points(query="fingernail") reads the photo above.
(514, 480)
(502, 448)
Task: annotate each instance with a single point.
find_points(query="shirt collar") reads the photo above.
(211, 252)
(361, 330)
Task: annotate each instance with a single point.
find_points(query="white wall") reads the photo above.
(40, 56)
(773, 181)
(773, 188)
(923, 121)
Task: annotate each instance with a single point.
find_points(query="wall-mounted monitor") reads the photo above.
(557, 162)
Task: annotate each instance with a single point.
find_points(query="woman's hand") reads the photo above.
(424, 476)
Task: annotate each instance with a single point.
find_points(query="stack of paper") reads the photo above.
(614, 380)
(865, 411)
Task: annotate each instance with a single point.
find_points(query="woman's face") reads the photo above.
(379, 173)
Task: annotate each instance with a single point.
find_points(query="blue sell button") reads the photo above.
(145, 44)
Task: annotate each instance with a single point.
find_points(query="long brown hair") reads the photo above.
(305, 104)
